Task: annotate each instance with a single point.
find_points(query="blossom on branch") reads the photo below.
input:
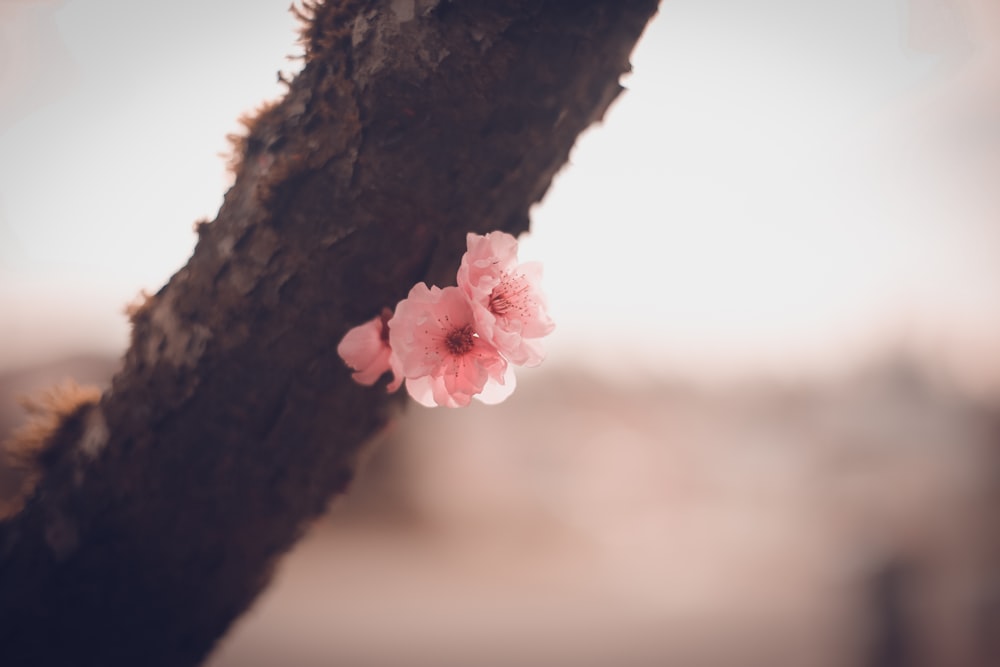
(506, 297)
(443, 357)
(458, 343)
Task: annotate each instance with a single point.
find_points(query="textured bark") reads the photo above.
(162, 509)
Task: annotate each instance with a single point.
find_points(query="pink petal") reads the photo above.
(430, 392)
(497, 392)
(485, 259)
(397, 373)
(365, 350)
(421, 391)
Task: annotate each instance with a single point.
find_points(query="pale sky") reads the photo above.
(787, 186)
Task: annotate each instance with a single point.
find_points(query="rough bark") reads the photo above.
(161, 509)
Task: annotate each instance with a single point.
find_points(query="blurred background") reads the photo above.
(768, 429)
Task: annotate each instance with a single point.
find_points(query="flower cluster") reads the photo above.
(452, 344)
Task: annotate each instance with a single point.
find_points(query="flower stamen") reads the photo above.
(508, 295)
(459, 341)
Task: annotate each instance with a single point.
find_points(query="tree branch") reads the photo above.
(161, 509)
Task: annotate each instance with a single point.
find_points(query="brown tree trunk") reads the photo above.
(161, 509)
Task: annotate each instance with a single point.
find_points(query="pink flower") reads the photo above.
(458, 343)
(365, 348)
(508, 304)
(441, 354)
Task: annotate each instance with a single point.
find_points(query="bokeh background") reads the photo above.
(768, 430)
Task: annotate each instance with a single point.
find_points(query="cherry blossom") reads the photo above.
(365, 348)
(509, 307)
(441, 354)
(458, 343)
